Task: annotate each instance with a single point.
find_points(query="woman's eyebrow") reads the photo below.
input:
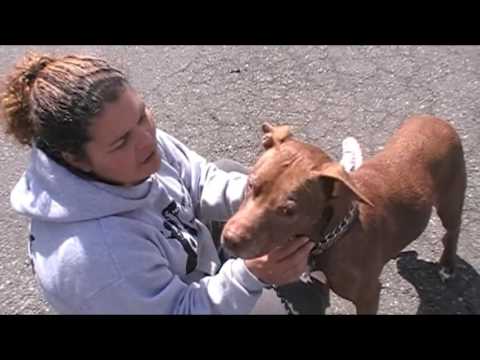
(142, 113)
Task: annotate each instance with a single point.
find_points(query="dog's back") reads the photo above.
(421, 166)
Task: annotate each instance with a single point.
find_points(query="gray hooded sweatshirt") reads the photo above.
(104, 249)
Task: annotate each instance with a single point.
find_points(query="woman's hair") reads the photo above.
(50, 101)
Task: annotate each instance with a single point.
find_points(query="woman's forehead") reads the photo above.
(117, 117)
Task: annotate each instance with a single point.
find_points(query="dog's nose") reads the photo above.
(228, 237)
(232, 240)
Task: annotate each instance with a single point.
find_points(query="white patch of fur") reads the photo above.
(352, 157)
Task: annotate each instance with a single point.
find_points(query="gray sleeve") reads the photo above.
(234, 290)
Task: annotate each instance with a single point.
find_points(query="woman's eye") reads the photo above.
(146, 116)
(121, 144)
(252, 188)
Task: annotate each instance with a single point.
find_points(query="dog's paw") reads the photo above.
(319, 276)
(305, 278)
(308, 277)
(444, 274)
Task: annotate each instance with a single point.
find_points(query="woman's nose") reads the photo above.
(145, 138)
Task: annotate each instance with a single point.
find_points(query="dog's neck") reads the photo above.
(340, 208)
(335, 222)
(334, 230)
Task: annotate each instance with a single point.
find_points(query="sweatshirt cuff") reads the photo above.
(245, 277)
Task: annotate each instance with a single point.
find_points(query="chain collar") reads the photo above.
(332, 236)
(323, 244)
(327, 241)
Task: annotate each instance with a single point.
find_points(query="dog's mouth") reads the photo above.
(258, 249)
(296, 236)
(268, 248)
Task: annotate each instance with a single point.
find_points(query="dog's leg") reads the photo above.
(368, 299)
(449, 210)
(447, 260)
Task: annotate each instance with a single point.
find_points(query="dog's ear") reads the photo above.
(332, 174)
(274, 135)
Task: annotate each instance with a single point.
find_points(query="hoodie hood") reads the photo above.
(48, 191)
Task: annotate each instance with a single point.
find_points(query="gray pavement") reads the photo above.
(214, 98)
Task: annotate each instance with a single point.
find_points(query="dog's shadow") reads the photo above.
(305, 298)
(458, 295)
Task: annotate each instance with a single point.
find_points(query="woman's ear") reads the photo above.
(83, 165)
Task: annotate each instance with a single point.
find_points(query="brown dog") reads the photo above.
(359, 220)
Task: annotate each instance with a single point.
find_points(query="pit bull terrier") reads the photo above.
(359, 220)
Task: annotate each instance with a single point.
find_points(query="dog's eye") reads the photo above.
(253, 187)
(289, 208)
(249, 186)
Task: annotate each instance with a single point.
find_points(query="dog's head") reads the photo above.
(290, 192)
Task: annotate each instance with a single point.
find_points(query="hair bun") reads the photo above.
(33, 65)
(15, 100)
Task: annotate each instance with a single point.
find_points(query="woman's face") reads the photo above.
(123, 149)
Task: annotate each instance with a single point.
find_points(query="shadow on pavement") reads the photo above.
(459, 295)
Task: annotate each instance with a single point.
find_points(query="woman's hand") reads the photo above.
(283, 264)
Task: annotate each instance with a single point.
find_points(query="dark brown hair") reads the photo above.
(50, 101)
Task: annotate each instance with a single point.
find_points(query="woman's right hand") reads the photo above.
(283, 264)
